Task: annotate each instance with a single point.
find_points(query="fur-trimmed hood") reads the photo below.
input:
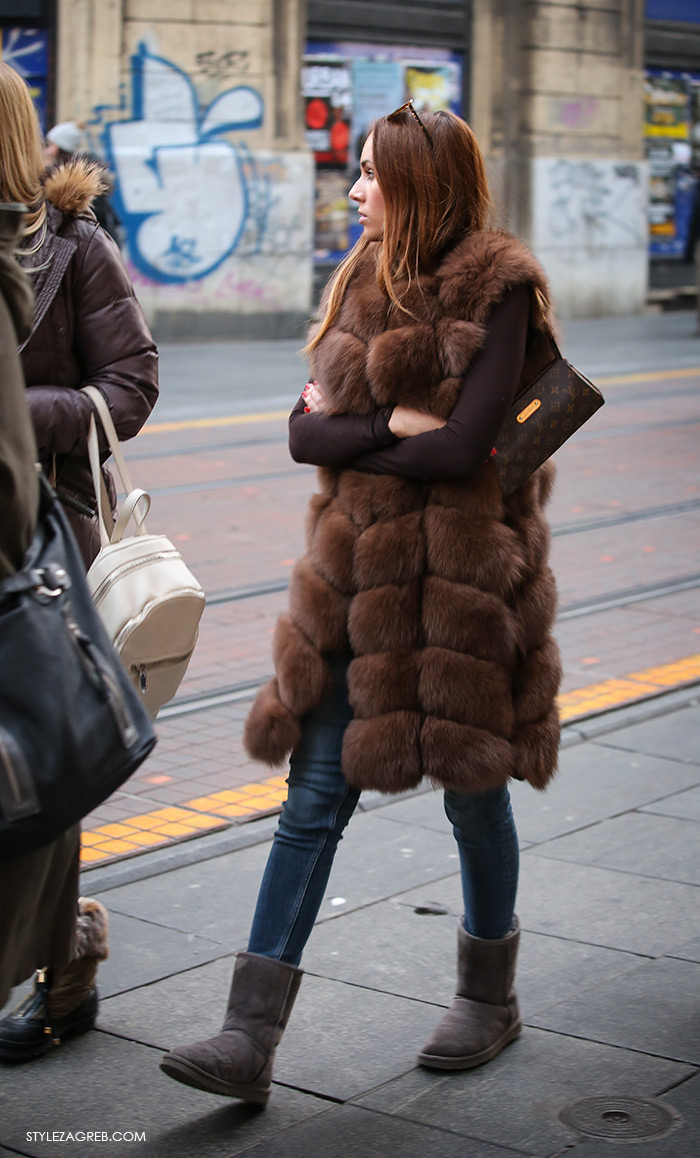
(72, 187)
(440, 592)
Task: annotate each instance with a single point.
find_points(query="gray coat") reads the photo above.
(38, 892)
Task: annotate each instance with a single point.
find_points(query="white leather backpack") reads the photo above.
(148, 599)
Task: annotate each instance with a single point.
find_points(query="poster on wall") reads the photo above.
(27, 51)
(432, 87)
(345, 86)
(666, 107)
(672, 146)
(327, 93)
(377, 88)
(695, 124)
(332, 212)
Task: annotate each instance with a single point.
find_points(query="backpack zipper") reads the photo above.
(124, 569)
(123, 635)
(142, 669)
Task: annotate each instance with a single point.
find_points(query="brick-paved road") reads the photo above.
(231, 498)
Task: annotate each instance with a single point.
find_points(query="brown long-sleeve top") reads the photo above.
(455, 451)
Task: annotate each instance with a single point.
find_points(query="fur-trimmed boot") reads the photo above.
(484, 1015)
(64, 1001)
(238, 1061)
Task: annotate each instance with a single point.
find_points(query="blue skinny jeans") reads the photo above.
(319, 805)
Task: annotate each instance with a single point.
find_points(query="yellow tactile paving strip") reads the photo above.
(209, 813)
(614, 693)
(138, 833)
(165, 825)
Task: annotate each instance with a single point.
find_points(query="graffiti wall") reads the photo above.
(211, 224)
(590, 230)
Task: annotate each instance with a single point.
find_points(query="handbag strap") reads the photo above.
(110, 533)
(555, 349)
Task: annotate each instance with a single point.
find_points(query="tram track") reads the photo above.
(245, 444)
(134, 454)
(644, 514)
(598, 434)
(232, 693)
(604, 522)
(298, 470)
(241, 691)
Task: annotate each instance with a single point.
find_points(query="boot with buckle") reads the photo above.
(64, 1001)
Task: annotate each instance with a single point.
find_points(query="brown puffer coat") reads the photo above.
(441, 591)
(88, 330)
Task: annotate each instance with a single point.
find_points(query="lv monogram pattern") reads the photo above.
(567, 400)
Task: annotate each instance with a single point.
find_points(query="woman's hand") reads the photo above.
(314, 398)
(405, 422)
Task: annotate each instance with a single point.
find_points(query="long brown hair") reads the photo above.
(435, 193)
(21, 159)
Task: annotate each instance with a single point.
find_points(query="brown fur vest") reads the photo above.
(441, 591)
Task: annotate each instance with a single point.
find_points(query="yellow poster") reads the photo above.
(667, 108)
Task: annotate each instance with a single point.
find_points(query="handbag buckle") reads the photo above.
(51, 582)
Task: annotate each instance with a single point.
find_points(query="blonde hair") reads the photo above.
(435, 193)
(21, 155)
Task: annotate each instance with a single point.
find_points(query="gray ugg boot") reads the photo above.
(238, 1061)
(64, 1001)
(484, 1015)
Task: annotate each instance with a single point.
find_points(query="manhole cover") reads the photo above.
(620, 1119)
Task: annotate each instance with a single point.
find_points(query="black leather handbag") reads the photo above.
(544, 415)
(72, 729)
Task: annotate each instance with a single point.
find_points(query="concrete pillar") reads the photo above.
(88, 56)
(558, 105)
(288, 46)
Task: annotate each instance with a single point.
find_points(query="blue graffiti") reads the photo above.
(181, 251)
(183, 191)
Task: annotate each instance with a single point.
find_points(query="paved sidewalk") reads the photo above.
(609, 980)
(609, 901)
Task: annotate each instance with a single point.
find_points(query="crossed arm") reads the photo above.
(401, 441)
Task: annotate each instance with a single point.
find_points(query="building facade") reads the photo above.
(232, 128)
(556, 102)
(195, 104)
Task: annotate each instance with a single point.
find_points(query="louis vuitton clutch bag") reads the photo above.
(544, 415)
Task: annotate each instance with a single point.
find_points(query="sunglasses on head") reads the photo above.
(408, 107)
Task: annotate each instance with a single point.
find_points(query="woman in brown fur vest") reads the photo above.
(418, 641)
(87, 328)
